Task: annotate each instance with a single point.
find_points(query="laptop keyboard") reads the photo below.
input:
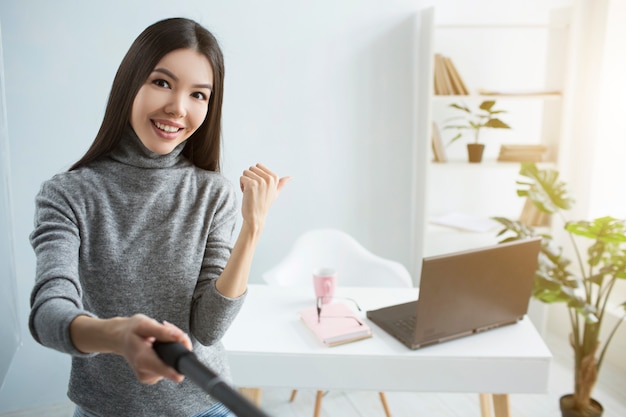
(405, 325)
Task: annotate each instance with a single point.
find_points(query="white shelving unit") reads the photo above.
(528, 64)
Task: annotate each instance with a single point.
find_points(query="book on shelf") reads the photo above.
(458, 85)
(338, 324)
(439, 151)
(522, 153)
(447, 80)
(442, 82)
(530, 157)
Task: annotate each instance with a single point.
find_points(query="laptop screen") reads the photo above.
(476, 289)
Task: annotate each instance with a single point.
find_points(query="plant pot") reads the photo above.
(566, 404)
(475, 152)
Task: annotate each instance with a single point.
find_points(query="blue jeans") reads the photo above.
(218, 410)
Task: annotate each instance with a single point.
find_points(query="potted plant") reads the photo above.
(484, 117)
(584, 286)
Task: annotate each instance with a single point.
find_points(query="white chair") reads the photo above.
(355, 266)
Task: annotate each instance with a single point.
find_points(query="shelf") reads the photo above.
(527, 73)
(485, 164)
(515, 26)
(520, 96)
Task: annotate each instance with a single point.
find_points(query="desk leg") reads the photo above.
(501, 405)
(485, 405)
(383, 399)
(318, 403)
(253, 394)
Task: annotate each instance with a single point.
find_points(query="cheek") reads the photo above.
(139, 106)
(199, 114)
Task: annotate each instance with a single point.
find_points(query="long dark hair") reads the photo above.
(157, 40)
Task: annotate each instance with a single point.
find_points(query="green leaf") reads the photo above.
(605, 229)
(586, 290)
(476, 120)
(460, 107)
(497, 124)
(455, 138)
(544, 189)
(487, 105)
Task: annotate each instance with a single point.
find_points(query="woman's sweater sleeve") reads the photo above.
(56, 298)
(212, 313)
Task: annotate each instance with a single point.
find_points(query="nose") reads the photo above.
(176, 105)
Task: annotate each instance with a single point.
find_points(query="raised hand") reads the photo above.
(260, 188)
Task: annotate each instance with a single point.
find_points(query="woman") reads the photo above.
(133, 243)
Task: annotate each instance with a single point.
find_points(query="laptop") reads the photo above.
(464, 293)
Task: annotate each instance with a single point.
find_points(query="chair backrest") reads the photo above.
(332, 248)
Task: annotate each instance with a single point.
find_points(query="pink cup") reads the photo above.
(324, 283)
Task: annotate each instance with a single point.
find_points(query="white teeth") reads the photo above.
(166, 128)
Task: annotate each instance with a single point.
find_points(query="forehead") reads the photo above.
(187, 65)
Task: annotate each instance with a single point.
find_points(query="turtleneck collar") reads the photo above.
(131, 151)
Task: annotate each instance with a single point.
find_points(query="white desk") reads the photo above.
(268, 346)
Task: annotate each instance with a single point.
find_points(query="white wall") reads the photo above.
(320, 90)
(9, 330)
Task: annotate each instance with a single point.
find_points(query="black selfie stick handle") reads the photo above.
(187, 363)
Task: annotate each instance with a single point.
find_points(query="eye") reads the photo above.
(161, 83)
(199, 95)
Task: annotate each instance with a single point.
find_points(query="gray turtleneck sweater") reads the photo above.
(134, 232)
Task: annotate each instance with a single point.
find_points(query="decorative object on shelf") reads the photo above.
(448, 81)
(522, 153)
(439, 151)
(585, 292)
(484, 117)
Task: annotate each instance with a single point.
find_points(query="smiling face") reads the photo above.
(174, 100)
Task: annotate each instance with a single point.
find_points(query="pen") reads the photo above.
(319, 308)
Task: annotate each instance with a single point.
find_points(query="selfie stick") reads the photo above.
(187, 363)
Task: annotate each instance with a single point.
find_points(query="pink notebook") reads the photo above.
(338, 324)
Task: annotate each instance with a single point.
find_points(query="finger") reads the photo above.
(255, 173)
(264, 171)
(187, 343)
(245, 182)
(148, 378)
(148, 367)
(166, 332)
(182, 338)
(152, 328)
(247, 177)
(282, 182)
(159, 369)
(152, 380)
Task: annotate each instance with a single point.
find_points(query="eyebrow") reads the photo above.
(175, 78)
